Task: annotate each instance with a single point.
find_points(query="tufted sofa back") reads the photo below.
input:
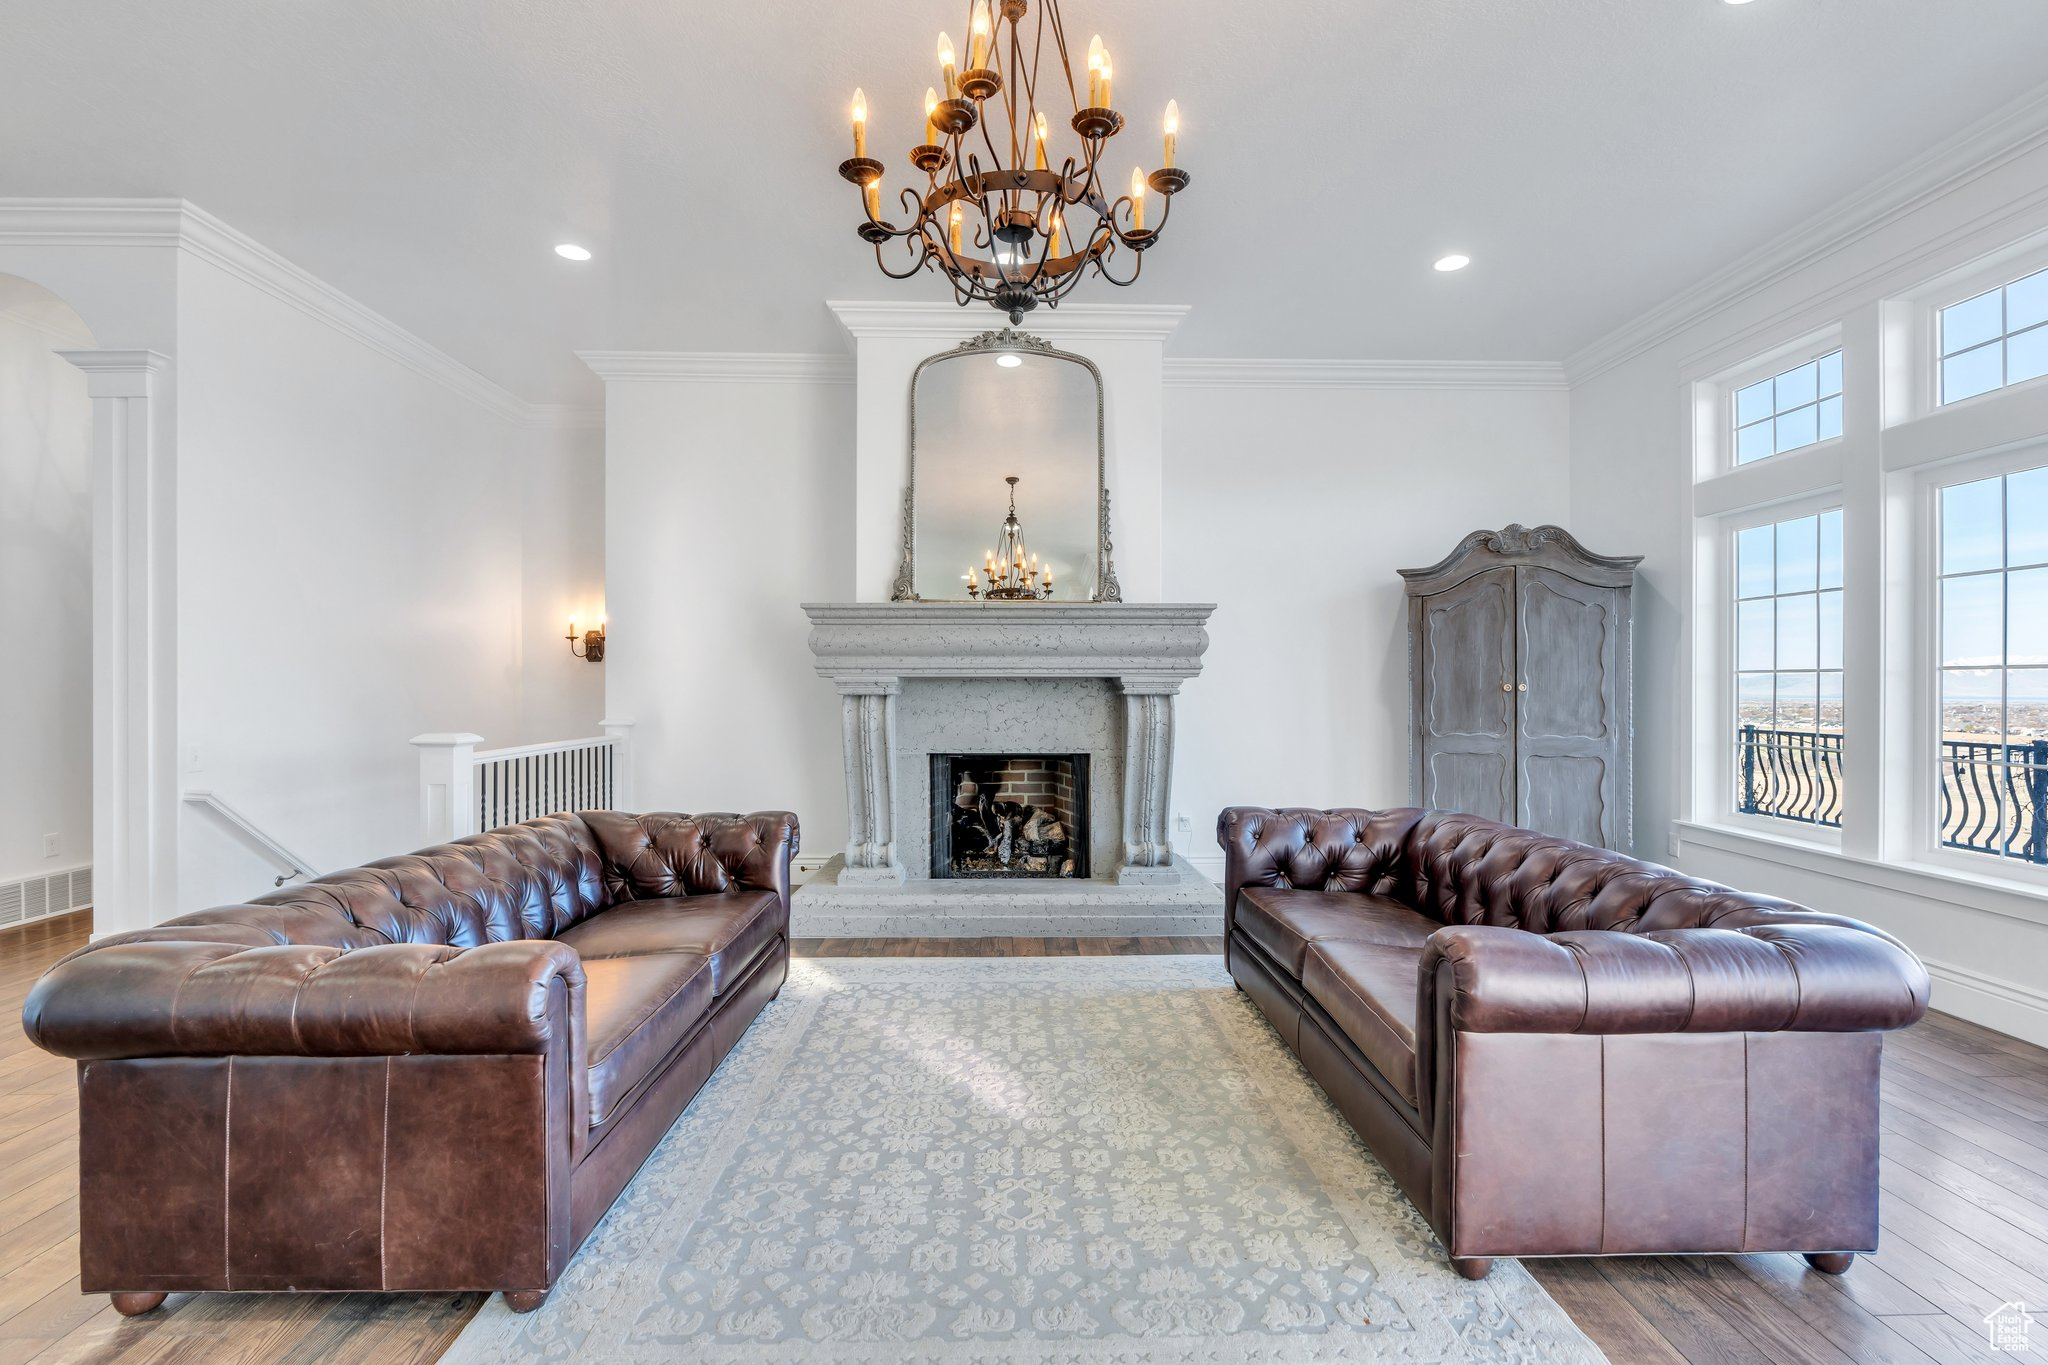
(525, 881)
(1460, 869)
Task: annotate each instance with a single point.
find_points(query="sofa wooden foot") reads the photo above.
(133, 1305)
(1831, 1262)
(1472, 1267)
(525, 1300)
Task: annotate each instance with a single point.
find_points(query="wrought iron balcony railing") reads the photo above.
(1994, 795)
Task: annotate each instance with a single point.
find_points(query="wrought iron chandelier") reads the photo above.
(1012, 230)
(1012, 570)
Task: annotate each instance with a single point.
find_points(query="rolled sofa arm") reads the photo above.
(197, 999)
(663, 853)
(1813, 977)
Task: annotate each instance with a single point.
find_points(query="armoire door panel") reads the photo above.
(1477, 784)
(1566, 796)
(1567, 655)
(1469, 635)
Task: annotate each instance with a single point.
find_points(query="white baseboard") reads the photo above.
(1994, 1002)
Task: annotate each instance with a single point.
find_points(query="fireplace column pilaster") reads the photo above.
(868, 733)
(1148, 779)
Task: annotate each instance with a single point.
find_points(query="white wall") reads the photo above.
(727, 504)
(1630, 470)
(562, 576)
(353, 538)
(45, 585)
(1291, 508)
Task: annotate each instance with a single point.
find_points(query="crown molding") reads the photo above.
(179, 224)
(717, 367)
(1983, 147)
(951, 322)
(1225, 373)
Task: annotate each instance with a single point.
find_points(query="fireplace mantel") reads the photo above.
(1157, 642)
(1112, 669)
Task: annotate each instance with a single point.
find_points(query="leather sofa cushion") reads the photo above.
(637, 1011)
(1370, 991)
(1287, 923)
(731, 929)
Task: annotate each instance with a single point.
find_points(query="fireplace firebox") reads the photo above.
(1009, 815)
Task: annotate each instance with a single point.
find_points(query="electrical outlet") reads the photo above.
(49, 845)
(1182, 824)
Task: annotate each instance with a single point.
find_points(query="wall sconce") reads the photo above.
(593, 642)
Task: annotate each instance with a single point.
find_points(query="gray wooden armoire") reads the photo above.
(1518, 664)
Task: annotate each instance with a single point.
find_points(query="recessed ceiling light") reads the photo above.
(569, 251)
(1453, 262)
(1734, 2)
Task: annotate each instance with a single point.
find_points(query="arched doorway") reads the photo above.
(46, 607)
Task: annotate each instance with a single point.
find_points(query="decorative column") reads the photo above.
(1148, 779)
(134, 640)
(868, 733)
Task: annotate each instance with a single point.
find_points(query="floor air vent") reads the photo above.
(40, 897)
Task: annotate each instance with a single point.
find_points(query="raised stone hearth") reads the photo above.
(919, 679)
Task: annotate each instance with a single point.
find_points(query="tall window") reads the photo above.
(1993, 760)
(1797, 408)
(1997, 338)
(1788, 669)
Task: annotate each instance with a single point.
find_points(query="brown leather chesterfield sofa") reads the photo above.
(435, 1072)
(1560, 1051)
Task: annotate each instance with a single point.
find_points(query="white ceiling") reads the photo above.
(1593, 156)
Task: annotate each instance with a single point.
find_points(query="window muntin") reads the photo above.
(2000, 337)
(1788, 669)
(1797, 408)
(1992, 643)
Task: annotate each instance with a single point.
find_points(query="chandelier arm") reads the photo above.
(1137, 264)
(904, 275)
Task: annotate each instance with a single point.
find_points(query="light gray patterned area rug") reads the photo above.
(1055, 1161)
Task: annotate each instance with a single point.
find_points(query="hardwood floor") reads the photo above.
(1965, 1218)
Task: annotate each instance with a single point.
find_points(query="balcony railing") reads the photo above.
(1994, 796)
(1791, 774)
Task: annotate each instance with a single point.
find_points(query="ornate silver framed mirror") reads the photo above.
(1008, 494)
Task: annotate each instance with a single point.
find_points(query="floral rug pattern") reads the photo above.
(1018, 1160)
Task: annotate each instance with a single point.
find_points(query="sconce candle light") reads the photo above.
(593, 642)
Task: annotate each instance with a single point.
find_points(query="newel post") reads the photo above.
(620, 733)
(447, 785)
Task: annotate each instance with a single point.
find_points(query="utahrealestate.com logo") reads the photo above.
(2007, 1327)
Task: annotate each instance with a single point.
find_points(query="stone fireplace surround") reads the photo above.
(919, 678)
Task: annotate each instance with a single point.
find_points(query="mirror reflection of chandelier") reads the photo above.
(1020, 227)
(1011, 569)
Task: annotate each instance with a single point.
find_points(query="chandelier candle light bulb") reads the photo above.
(1137, 198)
(1096, 58)
(931, 102)
(860, 122)
(1172, 132)
(978, 36)
(948, 68)
(1108, 100)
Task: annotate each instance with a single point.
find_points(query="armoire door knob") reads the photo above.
(1524, 687)
(1507, 687)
